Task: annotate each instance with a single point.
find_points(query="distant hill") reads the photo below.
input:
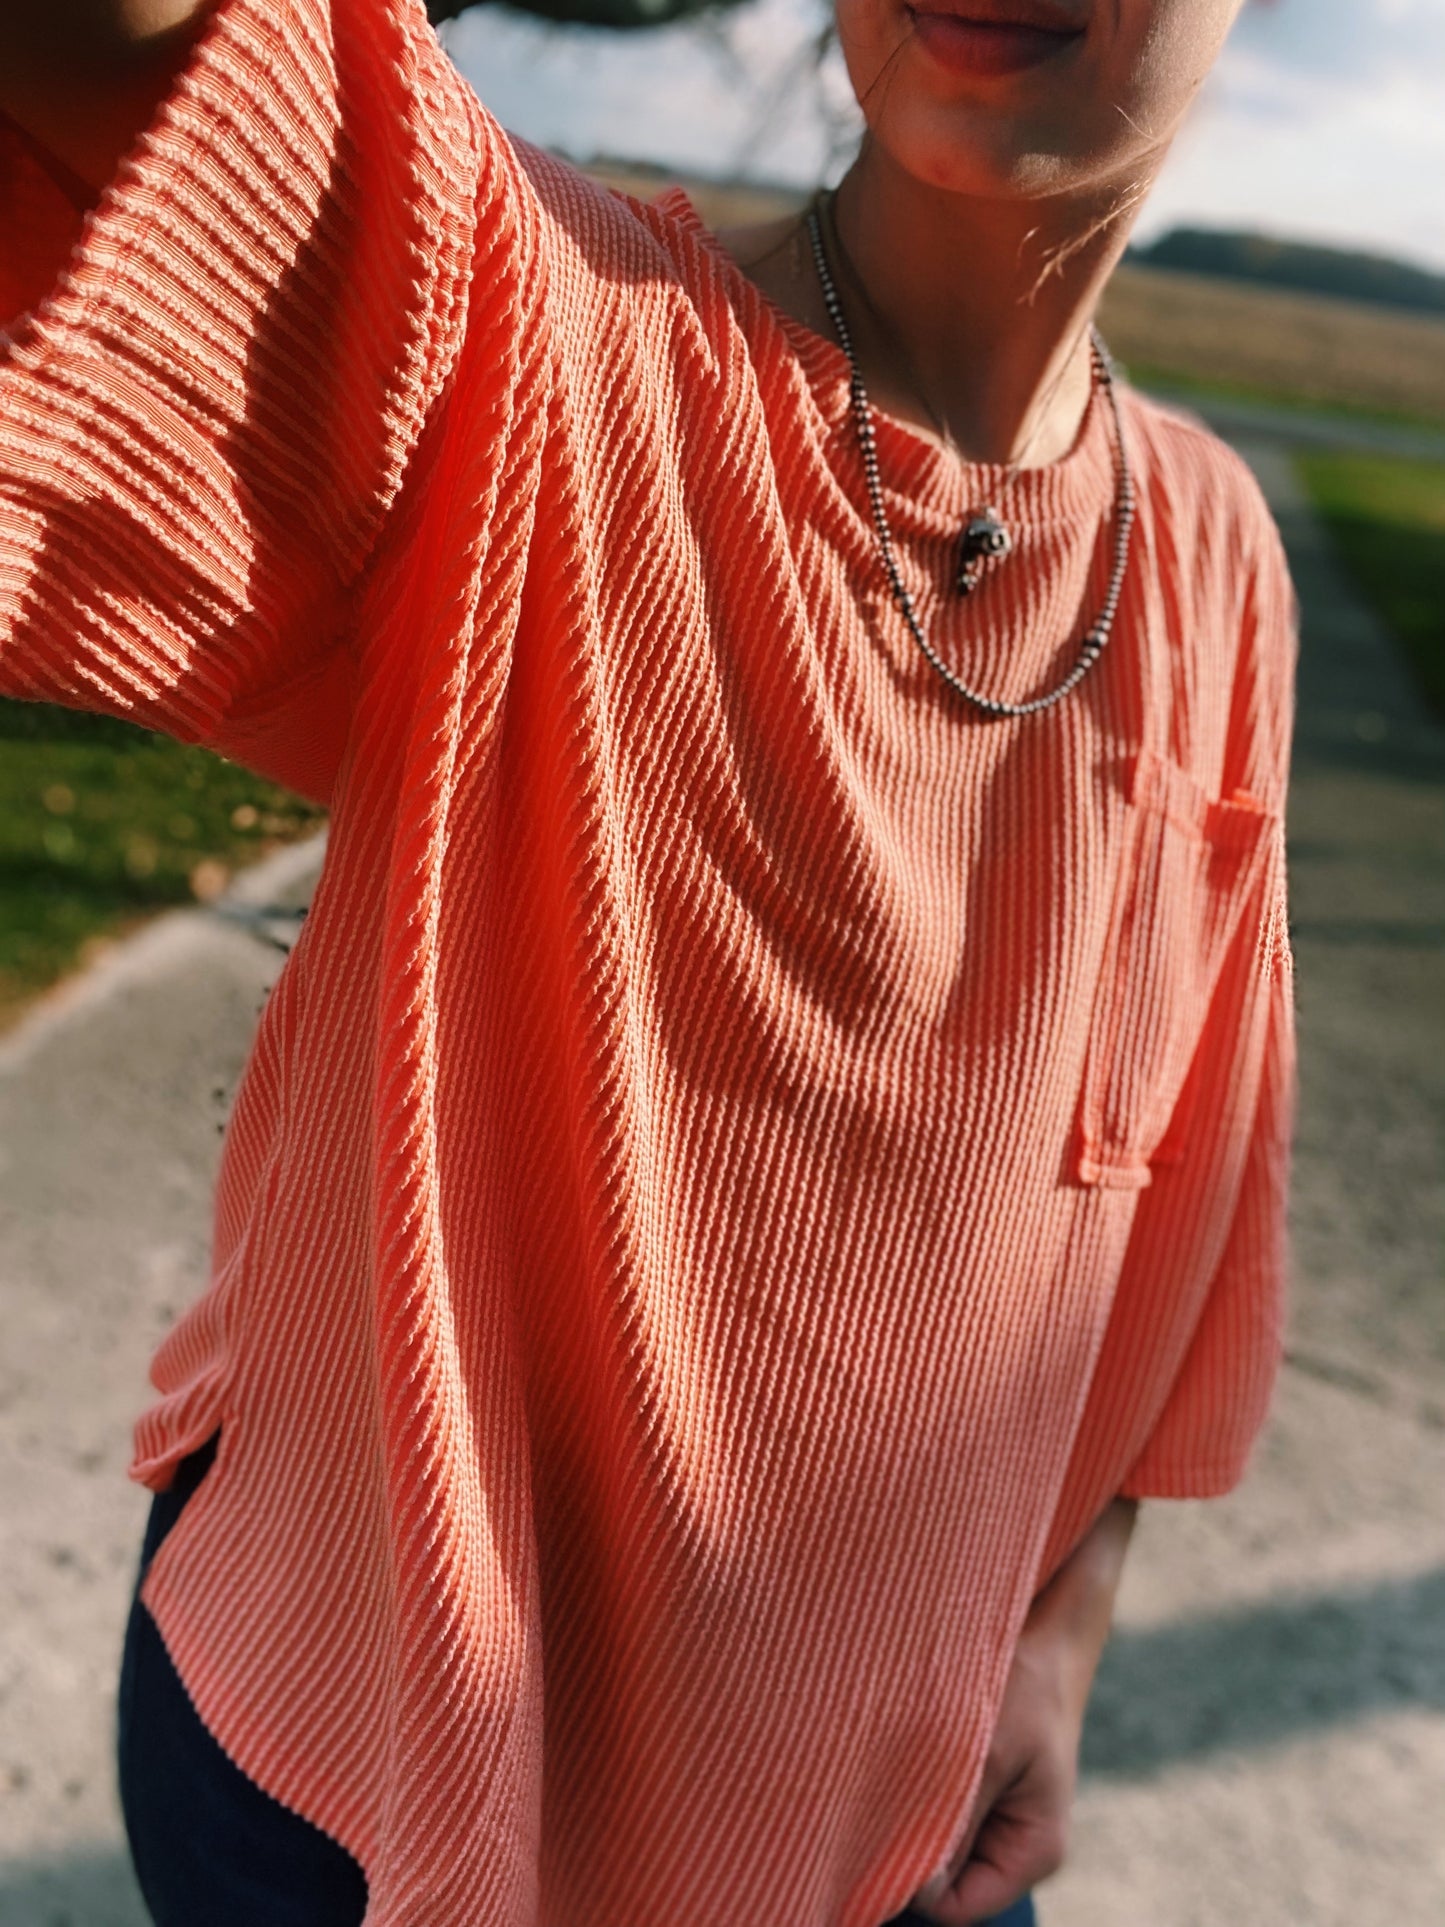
(1374, 278)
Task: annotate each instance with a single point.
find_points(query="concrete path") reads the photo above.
(112, 1096)
(1267, 1742)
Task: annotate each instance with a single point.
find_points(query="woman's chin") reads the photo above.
(984, 157)
(1033, 128)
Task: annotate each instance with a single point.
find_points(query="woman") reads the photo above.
(773, 1137)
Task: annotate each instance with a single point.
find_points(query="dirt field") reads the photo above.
(1300, 347)
(1308, 347)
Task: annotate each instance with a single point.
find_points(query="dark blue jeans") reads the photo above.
(211, 1849)
(1021, 1914)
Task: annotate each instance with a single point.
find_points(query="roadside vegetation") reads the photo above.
(1168, 384)
(103, 824)
(1272, 344)
(1387, 518)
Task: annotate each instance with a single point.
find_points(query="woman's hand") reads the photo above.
(1020, 1822)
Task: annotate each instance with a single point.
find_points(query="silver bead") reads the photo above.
(985, 538)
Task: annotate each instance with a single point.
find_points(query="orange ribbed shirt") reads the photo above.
(747, 1156)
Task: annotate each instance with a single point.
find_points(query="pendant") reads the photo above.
(984, 540)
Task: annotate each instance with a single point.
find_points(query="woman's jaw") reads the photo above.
(1002, 99)
(1008, 146)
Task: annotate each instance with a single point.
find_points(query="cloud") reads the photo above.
(1323, 117)
(734, 94)
(1357, 43)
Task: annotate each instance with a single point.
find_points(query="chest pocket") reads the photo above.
(1189, 869)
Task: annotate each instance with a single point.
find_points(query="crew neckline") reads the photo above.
(922, 482)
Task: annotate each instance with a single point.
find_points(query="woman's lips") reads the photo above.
(976, 46)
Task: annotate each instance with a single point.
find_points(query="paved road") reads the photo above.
(1267, 1742)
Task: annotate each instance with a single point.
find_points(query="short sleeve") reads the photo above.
(205, 422)
(1220, 1190)
(1189, 1355)
(1200, 1443)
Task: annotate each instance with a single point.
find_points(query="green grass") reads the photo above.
(1169, 383)
(103, 824)
(1387, 518)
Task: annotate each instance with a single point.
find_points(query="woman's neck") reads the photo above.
(970, 318)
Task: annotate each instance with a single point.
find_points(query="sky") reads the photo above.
(1324, 119)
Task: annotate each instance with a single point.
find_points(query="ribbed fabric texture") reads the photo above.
(747, 1157)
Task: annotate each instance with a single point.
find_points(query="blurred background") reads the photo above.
(1267, 1740)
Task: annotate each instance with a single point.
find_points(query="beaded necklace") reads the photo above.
(984, 538)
